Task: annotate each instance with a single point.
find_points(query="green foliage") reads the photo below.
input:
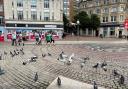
(94, 21)
(65, 21)
(86, 21)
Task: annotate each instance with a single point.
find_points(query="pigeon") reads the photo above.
(24, 63)
(12, 55)
(115, 73)
(5, 53)
(43, 55)
(59, 81)
(96, 66)
(95, 85)
(121, 80)
(21, 50)
(0, 56)
(49, 54)
(82, 65)
(36, 77)
(105, 69)
(103, 64)
(15, 52)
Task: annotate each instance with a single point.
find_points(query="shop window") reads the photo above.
(0, 33)
(112, 31)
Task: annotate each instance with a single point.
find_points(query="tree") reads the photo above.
(94, 21)
(66, 22)
(86, 21)
(83, 18)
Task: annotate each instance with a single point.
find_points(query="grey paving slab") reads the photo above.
(70, 84)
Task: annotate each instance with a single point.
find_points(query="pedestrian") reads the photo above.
(52, 39)
(37, 37)
(48, 38)
(39, 42)
(14, 39)
(19, 39)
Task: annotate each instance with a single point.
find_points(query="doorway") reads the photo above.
(120, 34)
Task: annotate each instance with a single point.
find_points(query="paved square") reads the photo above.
(70, 84)
(19, 76)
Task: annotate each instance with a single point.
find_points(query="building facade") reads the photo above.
(112, 14)
(2, 20)
(66, 4)
(68, 9)
(33, 15)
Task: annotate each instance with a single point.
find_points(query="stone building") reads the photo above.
(112, 14)
(33, 15)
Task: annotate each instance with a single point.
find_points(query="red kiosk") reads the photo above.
(2, 37)
(126, 26)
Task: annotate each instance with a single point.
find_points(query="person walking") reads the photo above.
(14, 39)
(37, 37)
(48, 38)
(52, 39)
(20, 39)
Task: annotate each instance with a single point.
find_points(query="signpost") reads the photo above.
(126, 26)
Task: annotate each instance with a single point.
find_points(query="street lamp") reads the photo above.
(78, 22)
(78, 30)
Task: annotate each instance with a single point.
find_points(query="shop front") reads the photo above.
(28, 33)
(1, 34)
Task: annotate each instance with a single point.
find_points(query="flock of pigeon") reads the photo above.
(63, 58)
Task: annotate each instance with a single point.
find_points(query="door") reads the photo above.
(120, 34)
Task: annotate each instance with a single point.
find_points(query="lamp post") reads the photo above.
(78, 30)
(78, 22)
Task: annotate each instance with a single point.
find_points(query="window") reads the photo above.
(97, 2)
(46, 16)
(106, 1)
(40, 16)
(106, 10)
(33, 3)
(114, 9)
(121, 17)
(19, 3)
(122, 8)
(113, 18)
(112, 31)
(20, 15)
(52, 15)
(97, 11)
(1, 8)
(121, 0)
(114, 1)
(33, 15)
(12, 4)
(105, 19)
(46, 3)
(13, 14)
(1, 20)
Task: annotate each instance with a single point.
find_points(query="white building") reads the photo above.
(30, 15)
